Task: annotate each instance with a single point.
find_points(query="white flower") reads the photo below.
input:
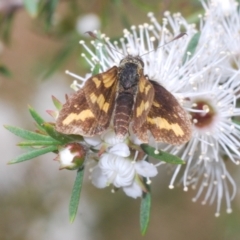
(145, 41)
(205, 88)
(218, 8)
(204, 83)
(120, 149)
(212, 94)
(223, 20)
(108, 142)
(210, 176)
(93, 141)
(122, 173)
(110, 137)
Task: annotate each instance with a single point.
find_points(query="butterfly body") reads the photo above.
(129, 71)
(127, 97)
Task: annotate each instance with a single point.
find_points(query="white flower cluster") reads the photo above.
(204, 80)
(116, 166)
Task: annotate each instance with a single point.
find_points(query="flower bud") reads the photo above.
(71, 156)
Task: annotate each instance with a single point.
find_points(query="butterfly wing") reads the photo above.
(100, 91)
(167, 120)
(77, 118)
(89, 111)
(143, 103)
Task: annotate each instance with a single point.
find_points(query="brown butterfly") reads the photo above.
(125, 96)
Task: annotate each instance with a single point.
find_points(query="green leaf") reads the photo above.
(163, 156)
(145, 212)
(74, 201)
(57, 103)
(50, 9)
(46, 12)
(38, 143)
(33, 153)
(125, 20)
(192, 45)
(6, 26)
(27, 134)
(194, 17)
(96, 69)
(32, 7)
(37, 118)
(50, 129)
(4, 71)
(236, 121)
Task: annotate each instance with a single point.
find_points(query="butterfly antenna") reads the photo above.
(175, 38)
(91, 34)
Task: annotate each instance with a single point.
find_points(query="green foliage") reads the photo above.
(6, 22)
(32, 7)
(192, 45)
(96, 69)
(57, 103)
(46, 12)
(161, 155)
(145, 209)
(29, 135)
(236, 121)
(45, 141)
(33, 153)
(4, 71)
(39, 120)
(50, 130)
(75, 197)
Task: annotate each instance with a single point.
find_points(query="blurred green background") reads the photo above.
(36, 47)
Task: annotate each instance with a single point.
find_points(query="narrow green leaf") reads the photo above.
(6, 26)
(27, 134)
(96, 69)
(4, 71)
(192, 45)
(194, 17)
(145, 212)
(32, 7)
(74, 201)
(236, 121)
(38, 143)
(46, 10)
(163, 156)
(50, 129)
(125, 20)
(32, 154)
(57, 103)
(50, 10)
(37, 118)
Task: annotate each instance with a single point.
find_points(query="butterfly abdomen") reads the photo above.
(123, 113)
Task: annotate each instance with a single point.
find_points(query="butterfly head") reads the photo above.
(137, 60)
(129, 71)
